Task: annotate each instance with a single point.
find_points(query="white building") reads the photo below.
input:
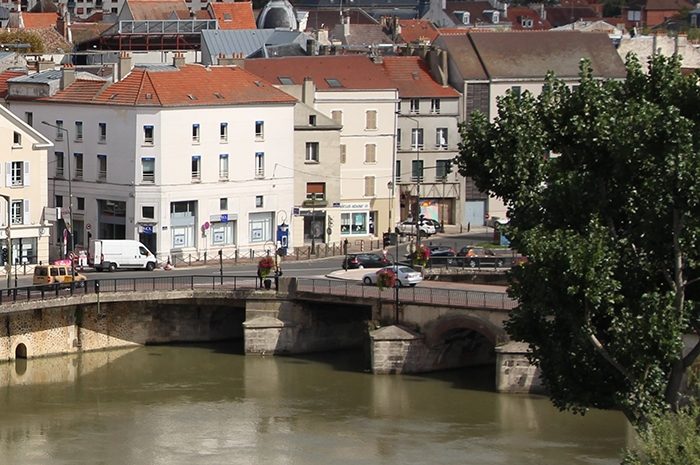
(184, 158)
(24, 189)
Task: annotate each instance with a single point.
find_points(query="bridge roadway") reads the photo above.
(448, 294)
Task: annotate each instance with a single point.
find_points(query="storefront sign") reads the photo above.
(352, 205)
(223, 218)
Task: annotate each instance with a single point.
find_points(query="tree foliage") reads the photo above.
(602, 185)
(36, 45)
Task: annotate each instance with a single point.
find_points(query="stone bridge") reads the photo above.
(426, 329)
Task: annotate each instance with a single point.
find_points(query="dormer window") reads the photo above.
(495, 17)
(466, 18)
(526, 22)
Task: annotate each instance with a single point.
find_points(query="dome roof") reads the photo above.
(277, 14)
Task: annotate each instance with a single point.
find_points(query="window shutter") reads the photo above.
(25, 217)
(342, 153)
(337, 116)
(369, 186)
(371, 119)
(8, 174)
(370, 153)
(26, 177)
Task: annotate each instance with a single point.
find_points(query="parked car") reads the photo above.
(436, 224)
(408, 227)
(364, 260)
(406, 275)
(57, 275)
(480, 257)
(113, 254)
(440, 255)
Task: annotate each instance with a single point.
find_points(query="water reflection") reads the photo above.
(210, 404)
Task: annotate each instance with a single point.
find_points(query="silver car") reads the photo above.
(407, 276)
(408, 227)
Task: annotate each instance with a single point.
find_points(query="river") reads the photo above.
(209, 404)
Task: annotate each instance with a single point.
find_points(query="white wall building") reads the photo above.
(184, 158)
(24, 185)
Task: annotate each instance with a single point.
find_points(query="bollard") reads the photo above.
(469, 226)
(235, 256)
(296, 252)
(205, 257)
(189, 259)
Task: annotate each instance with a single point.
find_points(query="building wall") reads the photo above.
(32, 191)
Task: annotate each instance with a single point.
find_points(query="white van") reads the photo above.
(113, 254)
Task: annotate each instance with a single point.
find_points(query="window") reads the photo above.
(223, 132)
(223, 233)
(17, 173)
(417, 171)
(417, 139)
(58, 201)
(182, 224)
(102, 133)
(312, 152)
(29, 118)
(261, 226)
(370, 153)
(371, 119)
(102, 167)
(148, 212)
(259, 165)
(78, 165)
(353, 223)
(196, 168)
(148, 170)
(17, 214)
(415, 105)
(312, 120)
(80, 203)
(333, 82)
(258, 201)
(634, 15)
(223, 167)
(58, 156)
(195, 133)
(78, 131)
(515, 90)
(286, 80)
(343, 153)
(316, 190)
(442, 169)
(337, 116)
(223, 204)
(259, 130)
(369, 186)
(398, 139)
(59, 129)
(16, 139)
(441, 138)
(435, 106)
(148, 135)
(526, 23)
(397, 172)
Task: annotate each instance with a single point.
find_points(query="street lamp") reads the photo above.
(70, 196)
(8, 263)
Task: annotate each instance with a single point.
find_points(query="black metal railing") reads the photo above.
(426, 295)
(151, 284)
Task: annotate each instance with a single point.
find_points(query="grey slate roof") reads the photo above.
(249, 42)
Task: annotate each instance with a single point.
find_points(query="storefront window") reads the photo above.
(260, 226)
(354, 223)
(223, 233)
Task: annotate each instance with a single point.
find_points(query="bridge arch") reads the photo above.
(20, 351)
(436, 331)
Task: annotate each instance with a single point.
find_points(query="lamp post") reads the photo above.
(8, 263)
(313, 223)
(283, 239)
(70, 197)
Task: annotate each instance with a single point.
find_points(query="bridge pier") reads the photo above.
(514, 372)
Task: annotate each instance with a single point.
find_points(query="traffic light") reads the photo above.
(389, 239)
(4, 255)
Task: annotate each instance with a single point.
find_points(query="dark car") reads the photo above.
(479, 257)
(441, 255)
(364, 260)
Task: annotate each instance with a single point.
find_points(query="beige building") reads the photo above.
(356, 93)
(23, 161)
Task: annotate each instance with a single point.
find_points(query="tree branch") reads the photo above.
(598, 346)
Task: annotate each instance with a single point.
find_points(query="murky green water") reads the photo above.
(212, 405)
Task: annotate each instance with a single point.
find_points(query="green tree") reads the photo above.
(602, 186)
(36, 45)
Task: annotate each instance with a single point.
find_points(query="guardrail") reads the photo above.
(111, 285)
(425, 295)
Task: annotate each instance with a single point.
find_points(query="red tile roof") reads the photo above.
(4, 76)
(516, 15)
(39, 20)
(191, 85)
(351, 71)
(413, 30)
(237, 15)
(143, 10)
(411, 76)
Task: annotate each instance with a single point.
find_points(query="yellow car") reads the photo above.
(50, 275)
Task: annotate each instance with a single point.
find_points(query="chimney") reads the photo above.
(238, 59)
(124, 65)
(43, 65)
(346, 25)
(308, 91)
(179, 60)
(67, 76)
